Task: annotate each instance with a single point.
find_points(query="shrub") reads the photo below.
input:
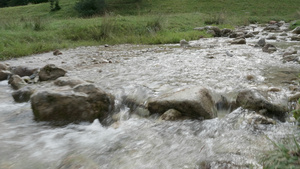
(90, 7)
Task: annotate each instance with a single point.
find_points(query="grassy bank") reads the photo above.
(33, 29)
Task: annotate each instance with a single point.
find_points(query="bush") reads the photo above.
(90, 7)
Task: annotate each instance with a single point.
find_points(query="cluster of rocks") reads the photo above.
(69, 100)
(240, 35)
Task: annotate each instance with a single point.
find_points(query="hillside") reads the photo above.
(30, 29)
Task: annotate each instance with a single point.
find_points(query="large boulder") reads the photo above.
(51, 72)
(191, 102)
(296, 30)
(16, 82)
(255, 100)
(295, 38)
(23, 70)
(23, 94)
(85, 102)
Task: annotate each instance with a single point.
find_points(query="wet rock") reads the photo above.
(272, 27)
(249, 35)
(23, 70)
(291, 58)
(255, 119)
(23, 94)
(3, 66)
(254, 100)
(191, 102)
(4, 74)
(283, 34)
(269, 48)
(85, 103)
(290, 51)
(294, 97)
(239, 41)
(272, 37)
(295, 38)
(250, 77)
(226, 32)
(281, 23)
(57, 52)
(184, 43)
(261, 42)
(51, 72)
(171, 115)
(237, 35)
(68, 81)
(296, 30)
(16, 82)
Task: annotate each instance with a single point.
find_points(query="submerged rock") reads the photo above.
(23, 94)
(85, 103)
(51, 72)
(254, 100)
(191, 102)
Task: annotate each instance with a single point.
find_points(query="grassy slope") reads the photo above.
(33, 29)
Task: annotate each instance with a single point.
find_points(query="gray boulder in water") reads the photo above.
(254, 100)
(85, 102)
(51, 72)
(191, 102)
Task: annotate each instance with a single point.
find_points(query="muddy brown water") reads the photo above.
(149, 70)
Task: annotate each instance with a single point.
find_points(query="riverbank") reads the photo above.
(32, 29)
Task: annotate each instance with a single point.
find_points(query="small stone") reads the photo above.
(171, 115)
(57, 52)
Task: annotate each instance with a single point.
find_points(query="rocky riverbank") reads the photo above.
(253, 70)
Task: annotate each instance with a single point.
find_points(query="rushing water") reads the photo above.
(229, 141)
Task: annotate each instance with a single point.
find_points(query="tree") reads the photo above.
(90, 7)
(54, 5)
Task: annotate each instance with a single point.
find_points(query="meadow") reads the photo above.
(32, 29)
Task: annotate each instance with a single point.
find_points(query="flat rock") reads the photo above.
(191, 102)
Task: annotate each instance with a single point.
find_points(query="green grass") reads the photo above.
(285, 155)
(32, 29)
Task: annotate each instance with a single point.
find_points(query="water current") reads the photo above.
(229, 141)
